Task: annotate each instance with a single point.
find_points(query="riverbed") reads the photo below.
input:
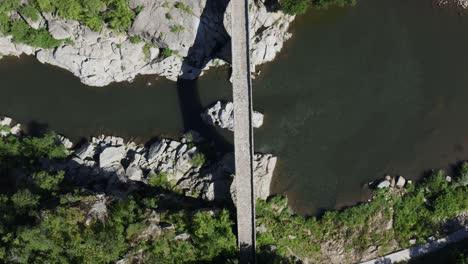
(357, 92)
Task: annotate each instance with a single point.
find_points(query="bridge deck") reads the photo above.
(243, 130)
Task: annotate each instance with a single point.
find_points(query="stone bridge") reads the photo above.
(243, 130)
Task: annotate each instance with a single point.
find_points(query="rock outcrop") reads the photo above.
(222, 115)
(112, 162)
(181, 39)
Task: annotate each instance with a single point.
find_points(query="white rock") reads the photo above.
(384, 184)
(88, 150)
(111, 155)
(5, 121)
(400, 182)
(222, 115)
(16, 129)
(182, 237)
(263, 175)
(98, 210)
(67, 143)
(134, 173)
(62, 29)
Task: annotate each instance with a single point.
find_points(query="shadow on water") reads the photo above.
(211, 41)
(191, 108)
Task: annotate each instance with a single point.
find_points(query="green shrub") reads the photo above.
(294, 6)
(463, 174)
(451, 203)
(135, 39)
(183, 7)
(48, 181)
(147, 51)
(177, 28)
(9, 5)
(198, 159)
(213, 236)
(23, 33)
(119, 15)
(30, 12)
(4, 24)
(159, 180)
(24, 199)
(46, 5)
(95, 23)
(167, 52)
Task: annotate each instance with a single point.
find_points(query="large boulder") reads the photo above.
(222, 115)
(218, 181)
(111, 156)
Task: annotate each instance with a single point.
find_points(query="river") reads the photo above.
(357, 92)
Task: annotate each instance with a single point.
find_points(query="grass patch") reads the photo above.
(183, 7)
(135, 39)
(147, 51)
(177, 28)
(167, 52)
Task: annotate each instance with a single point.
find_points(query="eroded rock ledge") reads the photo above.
(200, 41)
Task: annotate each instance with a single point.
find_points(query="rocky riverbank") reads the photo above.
(174, 39)
(111, 162)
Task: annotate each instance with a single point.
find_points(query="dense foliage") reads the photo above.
(44, 220)
(416, 214)
(93, 13)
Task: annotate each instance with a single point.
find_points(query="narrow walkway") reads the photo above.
(420, 250)
(243, 131)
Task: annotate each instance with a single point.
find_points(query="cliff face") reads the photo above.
(181, 39)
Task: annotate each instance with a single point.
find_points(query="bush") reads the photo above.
(451, 203)
(213, 236)
(177, 28)
(183, 7)
(147, 51)
(412, 218)
(119, 16)
(24, 199)
(158, 180)
(167, 52)
(135, 39)
(198, 159)
(47, 181)
(463, 174)
(4, 24)
(30, 12)
(293, 7)
(9, 5)
(23, 33)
